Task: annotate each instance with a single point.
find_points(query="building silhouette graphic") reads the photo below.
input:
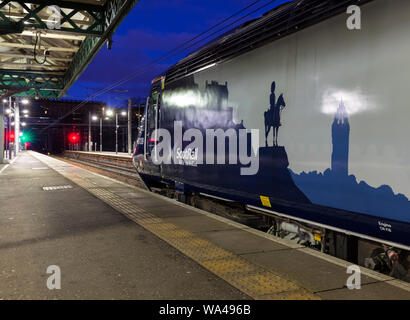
(337, 189)
(340, 142)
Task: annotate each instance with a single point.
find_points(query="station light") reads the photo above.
(4, 100)
(110, 113)
(94, 118)
(8, 111)
(24, 101)
(23, 124)
(25, 111)
(124, 113)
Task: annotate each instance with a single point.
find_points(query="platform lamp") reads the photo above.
(129, 135)
(96, 118)
(2, 132)
(110, 113)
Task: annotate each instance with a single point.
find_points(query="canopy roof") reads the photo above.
(46, 44)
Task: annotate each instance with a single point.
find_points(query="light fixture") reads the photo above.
(124, 113)
(25, 111)
(26, 116)
(8, 111)
(110, 113)
(23, 124)
(4, 100)
(94, 118)
(24, 101)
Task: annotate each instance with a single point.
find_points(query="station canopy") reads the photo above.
(45, 45)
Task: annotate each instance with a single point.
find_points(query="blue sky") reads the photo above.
(152, 29)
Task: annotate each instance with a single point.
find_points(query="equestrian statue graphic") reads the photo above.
(272, 116)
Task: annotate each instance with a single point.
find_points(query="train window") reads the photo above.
(151, 122)
(153, 111)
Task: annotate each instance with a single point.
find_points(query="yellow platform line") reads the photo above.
(253, 280)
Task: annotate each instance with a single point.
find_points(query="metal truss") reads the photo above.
(20, 80)
(63, 16)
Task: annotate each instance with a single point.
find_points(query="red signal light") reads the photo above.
(74, 137)
(11, 136)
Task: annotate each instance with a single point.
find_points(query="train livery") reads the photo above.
(323, 109)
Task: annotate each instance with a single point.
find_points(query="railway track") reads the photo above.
(119, 167)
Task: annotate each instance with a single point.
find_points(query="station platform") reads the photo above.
(113, 240)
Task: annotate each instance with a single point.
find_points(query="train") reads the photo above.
(300, 116)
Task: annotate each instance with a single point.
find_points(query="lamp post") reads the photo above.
(10, 111)
(2, 132)
(90, 148)
(129, 127)
(8, 140)
(17, 123)
(101, 148)
(95, 118)
(129, 121)
(110, 113)
(16, 127)
(116, 133)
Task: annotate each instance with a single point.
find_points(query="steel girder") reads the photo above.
(33, 16)
(30, 83)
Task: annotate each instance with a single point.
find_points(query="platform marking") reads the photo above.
(7, 165)
(4, 168)
(54, 188)
(253, 280)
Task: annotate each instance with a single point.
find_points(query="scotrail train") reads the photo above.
(300, 118)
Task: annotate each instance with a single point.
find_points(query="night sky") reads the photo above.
(151, 30)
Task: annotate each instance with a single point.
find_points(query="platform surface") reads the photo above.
(115, 241)
(101, 253)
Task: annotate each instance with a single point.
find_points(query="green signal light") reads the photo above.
(25, 137)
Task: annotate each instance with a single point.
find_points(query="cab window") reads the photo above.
(153, 111)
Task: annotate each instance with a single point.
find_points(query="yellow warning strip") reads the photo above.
(253, 280)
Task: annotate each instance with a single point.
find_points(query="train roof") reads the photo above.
(280, 22)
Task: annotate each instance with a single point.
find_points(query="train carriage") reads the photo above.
(300, 116)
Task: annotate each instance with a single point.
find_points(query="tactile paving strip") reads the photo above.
(255, 281)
